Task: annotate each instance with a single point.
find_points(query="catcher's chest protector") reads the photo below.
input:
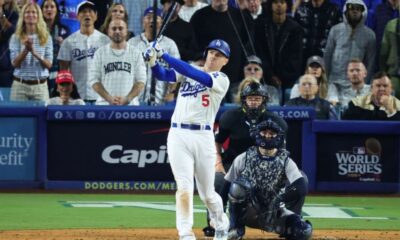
(266, 176)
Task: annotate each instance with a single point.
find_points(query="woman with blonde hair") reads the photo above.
(316, 67)
(31, 51)
(116, 11)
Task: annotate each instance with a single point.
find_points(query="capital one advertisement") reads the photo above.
(17, 148)
(357, 158)
(112, 151)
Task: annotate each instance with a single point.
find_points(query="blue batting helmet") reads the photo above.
(219, 45)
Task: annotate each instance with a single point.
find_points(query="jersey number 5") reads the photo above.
(205, 100)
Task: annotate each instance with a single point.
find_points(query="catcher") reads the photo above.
(257, 190)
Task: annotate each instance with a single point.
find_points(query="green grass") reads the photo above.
(371, 207)
(49, 211)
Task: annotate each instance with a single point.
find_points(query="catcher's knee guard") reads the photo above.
(238, 191)
(297, 228)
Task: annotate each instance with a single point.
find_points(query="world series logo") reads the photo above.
(361, 162)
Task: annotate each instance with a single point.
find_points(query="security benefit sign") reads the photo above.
(17, 148)
(108, 150)
(357, 158)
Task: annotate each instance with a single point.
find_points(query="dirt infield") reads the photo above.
(166, 234)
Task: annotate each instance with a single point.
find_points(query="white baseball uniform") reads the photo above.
(170, 47)
(79, 49)
(117, 70)
(192, 152)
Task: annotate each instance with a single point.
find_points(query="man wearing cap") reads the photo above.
(163, 90)
(66, 92)
(77, 51)
(119, 72)
(347, 40)
(254, 69)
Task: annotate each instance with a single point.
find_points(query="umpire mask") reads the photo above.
(254, 89)
(268, 142)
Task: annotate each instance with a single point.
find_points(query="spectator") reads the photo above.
(31, 52)
(8, 23)
(21, 4)
(378, 105)
(326, 90)
(316, 17)
(77, 51)
(119, 73)
(347, 40)
(254, 69)
(220, 21)
(384, 12)
(135, 9)
(66, 92)
(163, 89)
(356, 73)
(390, 54)
(102, 8)
(182, 33)
(189, 8)
(254, 8)
(58, 33)
(116, 11)
(279, 43)
(308, 88)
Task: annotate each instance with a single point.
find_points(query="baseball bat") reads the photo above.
(166, 20)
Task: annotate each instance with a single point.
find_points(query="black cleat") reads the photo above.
(209, 231)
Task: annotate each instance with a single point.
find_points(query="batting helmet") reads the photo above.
(254, 89)
(268, 143)
(219, 45)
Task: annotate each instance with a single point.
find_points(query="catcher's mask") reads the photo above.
(254, 89)
(268, 142)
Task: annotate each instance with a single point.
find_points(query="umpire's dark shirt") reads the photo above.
(233, 125)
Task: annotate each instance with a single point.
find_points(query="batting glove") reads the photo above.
(159, 50)
(150, 56)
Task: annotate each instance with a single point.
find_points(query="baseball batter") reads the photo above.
(190, 143)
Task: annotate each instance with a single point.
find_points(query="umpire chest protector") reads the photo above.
(266, 174)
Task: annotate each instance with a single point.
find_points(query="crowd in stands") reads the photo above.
(333, 55)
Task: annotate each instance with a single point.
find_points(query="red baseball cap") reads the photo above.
(64, 76)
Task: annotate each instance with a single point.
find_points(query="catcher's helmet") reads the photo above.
(268, 143)
(254, 89)
(219, 45)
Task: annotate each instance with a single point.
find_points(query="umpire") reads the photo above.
(256, 195)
